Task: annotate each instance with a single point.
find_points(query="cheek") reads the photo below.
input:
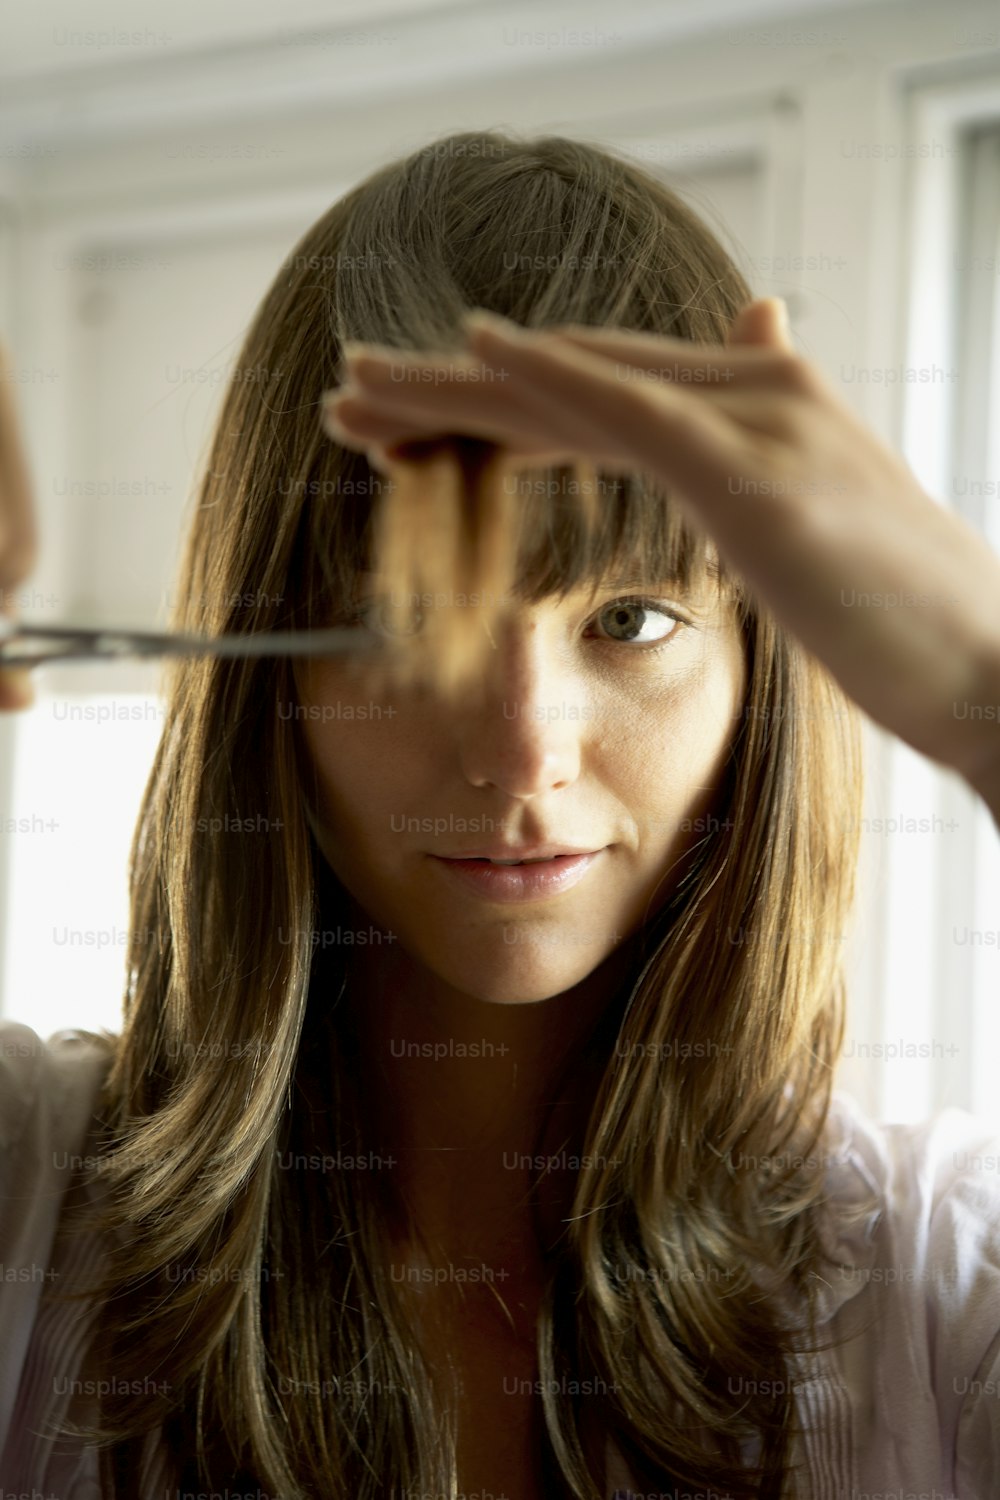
(677, 759)
(343, 733)
(354, 746)
(661, 756)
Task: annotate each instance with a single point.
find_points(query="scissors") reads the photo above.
(25, 645)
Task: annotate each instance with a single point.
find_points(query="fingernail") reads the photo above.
(351, 349)
(784, 321)
(332, 430)
(489, 322)
(332, 397)
(328, 418)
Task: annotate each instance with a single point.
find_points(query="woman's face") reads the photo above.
(580, 732)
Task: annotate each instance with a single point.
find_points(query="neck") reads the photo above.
(460, 1085)
(463, 1070)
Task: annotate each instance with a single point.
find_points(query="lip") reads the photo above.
(523, 851)
(519, 882)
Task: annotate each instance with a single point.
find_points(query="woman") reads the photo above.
(413, 1174)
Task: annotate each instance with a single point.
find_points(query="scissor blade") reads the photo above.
(70, 643)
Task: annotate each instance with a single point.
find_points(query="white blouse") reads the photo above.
(906, 1408)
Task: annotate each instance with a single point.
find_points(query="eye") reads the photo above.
(634, 615)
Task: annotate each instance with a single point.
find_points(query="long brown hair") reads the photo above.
(252, 1292)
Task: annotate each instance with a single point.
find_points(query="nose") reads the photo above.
(521, 730)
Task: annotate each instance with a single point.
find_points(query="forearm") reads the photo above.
(984, 777)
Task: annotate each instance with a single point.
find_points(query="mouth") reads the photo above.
(518, 880)
(523, 854)
(485, 860)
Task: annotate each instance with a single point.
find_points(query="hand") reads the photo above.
(800, 497)
(17, 532)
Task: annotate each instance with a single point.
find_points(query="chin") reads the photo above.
(513, 976)
(506, 995)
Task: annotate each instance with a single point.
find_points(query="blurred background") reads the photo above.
(157, 164)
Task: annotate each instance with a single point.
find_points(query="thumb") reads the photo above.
(17, 690)
(763, 321)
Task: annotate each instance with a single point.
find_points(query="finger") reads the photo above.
(512, 417)
(760, 372)
(586, 408)
(656, 355)
(695, 443)
(376, 367)
(587, 405)
(17, 690)
(574, 401)
(589, 402)
(762, 322)
(364, 426)
(358, 421)
(420, 386)
(377, 433)
(384, 442)
(18, 535)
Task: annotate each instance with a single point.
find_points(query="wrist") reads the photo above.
(984, 775)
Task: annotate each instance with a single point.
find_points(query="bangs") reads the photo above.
(545, 233)
(457, 530)
(604, 530)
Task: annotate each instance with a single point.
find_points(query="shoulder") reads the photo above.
(48, 1085)
(917, 1167)
(914, 1210)
(932, 1187)
(48, 1095)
